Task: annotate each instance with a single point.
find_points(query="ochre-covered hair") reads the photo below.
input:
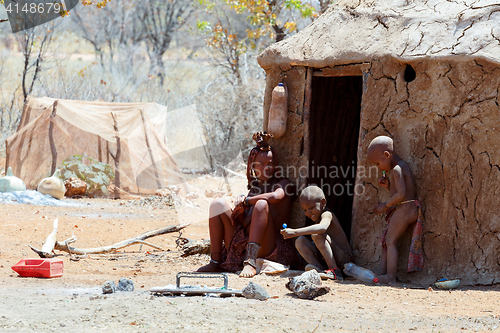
(260, 139)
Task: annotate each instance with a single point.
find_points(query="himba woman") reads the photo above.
(251, 230)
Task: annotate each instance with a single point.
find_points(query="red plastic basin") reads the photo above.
(44, 268)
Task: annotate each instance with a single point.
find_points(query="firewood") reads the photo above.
(63, 246)
(47, 250)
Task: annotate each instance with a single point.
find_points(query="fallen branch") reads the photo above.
(67, 242)
(152, 245)
(47, 250)
(132, 241)
(62, 246)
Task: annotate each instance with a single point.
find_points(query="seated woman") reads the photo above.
(252, 229)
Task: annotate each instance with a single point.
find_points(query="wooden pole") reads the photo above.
(25, 117)
(99, 148)
(7, 155)
(307, 113)
(153, 165)
(306, 120)
(51, 139)
(107, 152)
(117, 157)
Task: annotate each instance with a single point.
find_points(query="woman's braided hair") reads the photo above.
(260, 139)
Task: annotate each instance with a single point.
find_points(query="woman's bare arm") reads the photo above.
(271, 197)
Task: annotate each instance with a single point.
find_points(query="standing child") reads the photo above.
(327, 235)
(402, 209)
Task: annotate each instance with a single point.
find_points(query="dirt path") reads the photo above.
(74, 302)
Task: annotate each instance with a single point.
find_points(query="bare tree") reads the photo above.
(124, 25)
(105, 28)
(160, 19)
(231, 113)
(226, 38)
(130, 34)
(9, 100)
(34, 44)
(91, 32)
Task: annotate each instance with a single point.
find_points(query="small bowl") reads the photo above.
(448, 284)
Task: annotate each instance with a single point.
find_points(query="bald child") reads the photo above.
(402, 209)
(328, 238)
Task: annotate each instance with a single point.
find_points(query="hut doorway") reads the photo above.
(333, 130)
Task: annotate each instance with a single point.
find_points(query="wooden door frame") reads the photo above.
(340, 70)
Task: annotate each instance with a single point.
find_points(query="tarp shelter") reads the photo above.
(119, 134)
(426, 73)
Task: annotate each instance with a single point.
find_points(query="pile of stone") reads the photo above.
(110, 287)
(307, 285)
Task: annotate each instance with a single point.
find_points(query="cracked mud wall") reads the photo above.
(290, 147)
(445, 122)
(446, 125)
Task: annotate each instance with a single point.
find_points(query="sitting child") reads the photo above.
(327, 235)
(402, 209)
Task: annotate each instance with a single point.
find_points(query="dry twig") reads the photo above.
(63, 246)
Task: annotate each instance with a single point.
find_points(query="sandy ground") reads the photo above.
(74, 302)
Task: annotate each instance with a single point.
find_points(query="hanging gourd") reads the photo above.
(52, 186)
(278, 111)
(10, 183)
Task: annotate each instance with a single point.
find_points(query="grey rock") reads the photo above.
(125, 285)
(307, 285)
(255, 291)
(109, 287)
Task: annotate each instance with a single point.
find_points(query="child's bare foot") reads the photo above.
(248, 271)
(211, 267)
(386, 279)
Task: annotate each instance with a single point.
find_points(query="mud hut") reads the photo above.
(425, 73)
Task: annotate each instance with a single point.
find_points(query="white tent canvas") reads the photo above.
(184, 136)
